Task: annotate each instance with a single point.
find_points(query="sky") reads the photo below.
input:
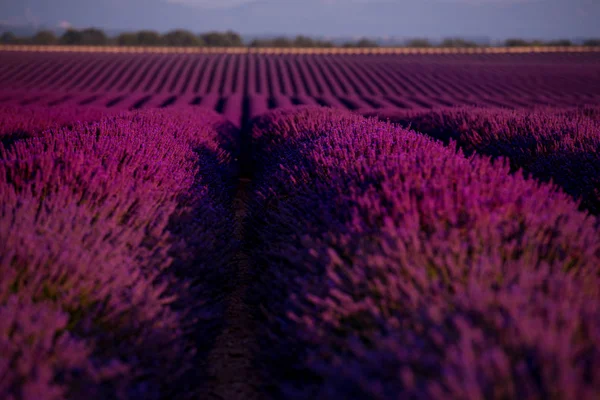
(496, 19)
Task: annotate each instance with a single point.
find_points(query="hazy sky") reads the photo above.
(499, 19)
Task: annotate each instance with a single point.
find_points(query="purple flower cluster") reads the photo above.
(390, 266)
(562, 145)
(109, 232)
(19, 122)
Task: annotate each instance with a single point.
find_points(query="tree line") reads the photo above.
(512, 42)
(97, 37)
(185, 38)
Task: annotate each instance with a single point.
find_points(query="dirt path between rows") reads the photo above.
(231, 373)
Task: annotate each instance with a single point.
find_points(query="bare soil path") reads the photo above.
(231, 373)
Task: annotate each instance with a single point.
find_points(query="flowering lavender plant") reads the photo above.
(93, 218)
(561, 145)
(389, 266)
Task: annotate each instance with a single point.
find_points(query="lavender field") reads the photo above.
(254, 226)
(241, 86)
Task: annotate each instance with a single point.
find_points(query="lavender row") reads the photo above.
(562, 145)
(113, 237)
(360, 81)
(389, 266)
(20, 122)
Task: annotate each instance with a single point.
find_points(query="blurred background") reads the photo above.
(302, 23)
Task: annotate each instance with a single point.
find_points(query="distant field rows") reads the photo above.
(244, 85)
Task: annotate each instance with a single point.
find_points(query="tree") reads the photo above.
(281, 42)
(8, 38)
(592, 42)
(304, 41)
(364, 42)
(87, 37)
(298, 41)
(513, 42)
(258, 43)
(324, 43)
(71, 37)
(94, 37)
(418, 42)
(235, 39)
(560, 42)
(181, 38)
(458, 43)
(44, 37)
(127, 39)
(148, 38)
(221, 39)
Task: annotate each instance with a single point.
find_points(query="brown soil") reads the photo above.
(231, 373)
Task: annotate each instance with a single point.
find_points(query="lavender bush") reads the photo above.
(389, 266)
(19, 122)
(97, 220)
(561, 145)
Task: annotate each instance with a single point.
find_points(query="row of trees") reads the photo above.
(562, 42)
(305, 41)
(513, 42)
(180, 37)
(97, 37)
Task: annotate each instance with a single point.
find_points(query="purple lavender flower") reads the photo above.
(561, 145)
(95, 218)
(391, 266)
